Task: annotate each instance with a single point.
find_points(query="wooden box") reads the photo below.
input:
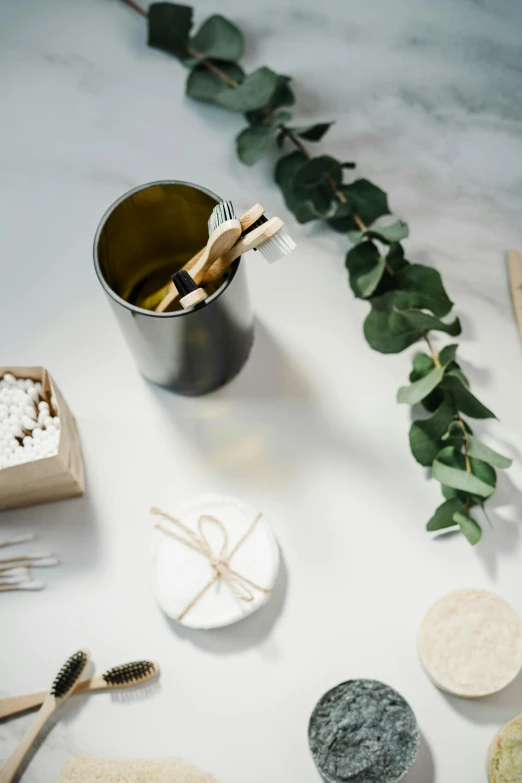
(49, 478)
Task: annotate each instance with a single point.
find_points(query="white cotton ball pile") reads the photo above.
(29, 424)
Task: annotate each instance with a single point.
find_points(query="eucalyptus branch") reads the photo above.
(407, 300)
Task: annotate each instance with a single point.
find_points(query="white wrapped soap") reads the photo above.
(215, 561)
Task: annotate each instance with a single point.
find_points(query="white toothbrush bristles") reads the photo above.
(277, 247)
(222, 212)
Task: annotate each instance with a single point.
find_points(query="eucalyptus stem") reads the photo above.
(268, 114)
(407, 300)
(430, 347)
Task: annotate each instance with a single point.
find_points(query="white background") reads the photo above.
(427, 99)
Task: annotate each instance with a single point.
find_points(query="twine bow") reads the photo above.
(241, 587)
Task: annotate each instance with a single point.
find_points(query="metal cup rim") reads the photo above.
(106, 287)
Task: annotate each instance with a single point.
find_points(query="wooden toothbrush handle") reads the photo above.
(154, 301)
(15, 760)
(15, 704)
(251, 241)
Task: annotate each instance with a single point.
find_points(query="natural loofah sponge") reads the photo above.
(505, 754)
(87, 769)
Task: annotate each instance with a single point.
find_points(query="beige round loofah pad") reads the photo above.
(470, 643)
(87, 769)
(504, 763)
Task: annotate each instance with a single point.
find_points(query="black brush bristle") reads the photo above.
(129, 673)
(256, 224)
(69, 674)
(184, 282)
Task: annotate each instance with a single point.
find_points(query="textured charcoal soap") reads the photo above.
(363, 731)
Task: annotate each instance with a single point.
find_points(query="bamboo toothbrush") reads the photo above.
(253, 214)
(254, 238)
(118, 677)
(62, 687)
(273, 243)
(224, 236)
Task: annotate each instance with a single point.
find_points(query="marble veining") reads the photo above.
(427, 99)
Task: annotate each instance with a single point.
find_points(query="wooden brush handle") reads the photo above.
(252, 240)
(16, 704)
(15, 760)
(152, 301)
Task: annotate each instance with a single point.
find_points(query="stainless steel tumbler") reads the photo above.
(143, 238)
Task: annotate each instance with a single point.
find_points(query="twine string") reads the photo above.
(242, 587)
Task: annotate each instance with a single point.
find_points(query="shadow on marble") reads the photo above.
(69, 528)
(258, 430)
(250, 632)
(423, 771)
(52, 745)
(492, 710)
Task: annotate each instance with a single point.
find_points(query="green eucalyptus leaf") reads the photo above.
(203, 85)
(425, 287)
(169, 26)
(468, 526)
(254, 92)
(254, 142)
(448, 354)
(443, 516)
(413, 394)
(367, 200)
(464, 400)
(368, 282)
(306, 203)
(218, 39)
(422, 365)
(377, 330)
(315, 170)
(366, 267)
(395, 258)
(480, 451)
(312, 132)
(356, 236)
(426, 434)
(283, 94)
(388, 234)
(449, 468)
(402, 318)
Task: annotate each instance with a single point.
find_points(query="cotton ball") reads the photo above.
(43, 406)
(37, 433)
(51, 430)
(30, 411)
(28, 424)
(56, 422)
(9, 379)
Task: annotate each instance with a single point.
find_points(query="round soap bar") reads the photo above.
(470, 643)
(363, 731)
(180, 573)
(504, 763)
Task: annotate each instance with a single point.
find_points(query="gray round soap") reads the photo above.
(362, 731)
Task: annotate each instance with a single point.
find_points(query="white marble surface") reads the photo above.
(427, 98)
